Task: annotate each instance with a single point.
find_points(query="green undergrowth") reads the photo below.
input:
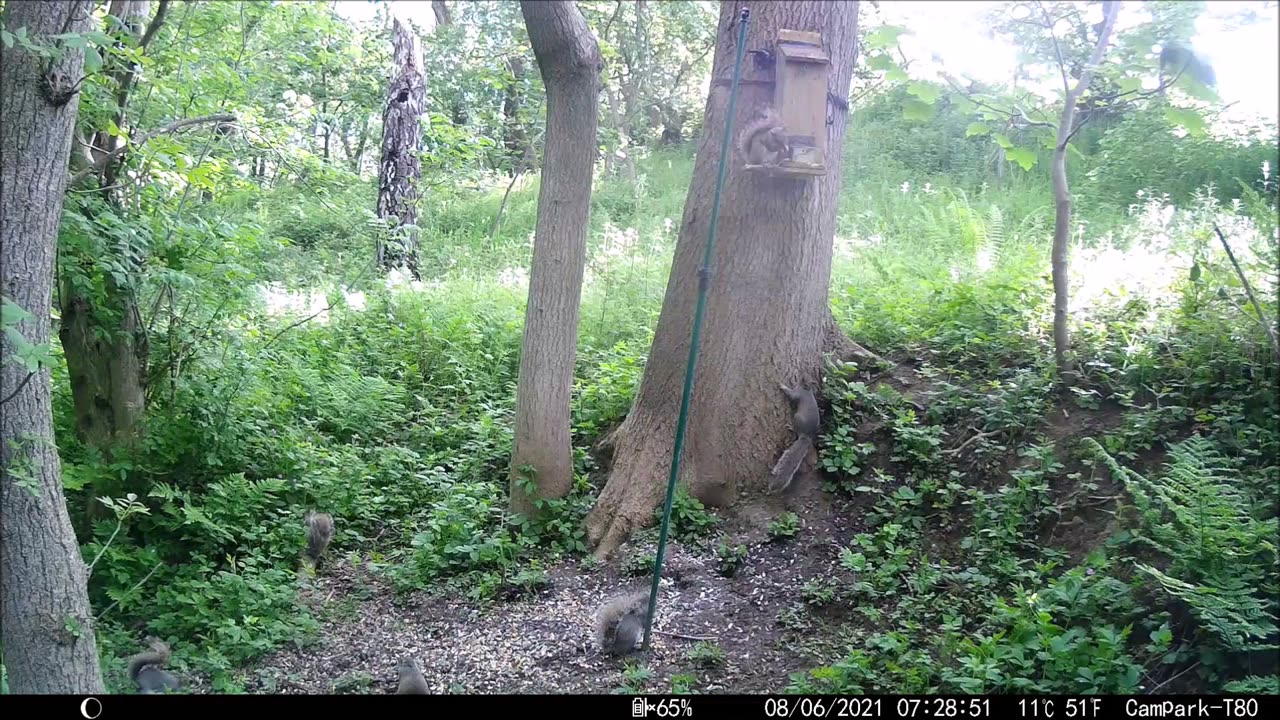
(393, 411)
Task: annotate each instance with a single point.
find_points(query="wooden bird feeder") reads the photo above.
(800, 97)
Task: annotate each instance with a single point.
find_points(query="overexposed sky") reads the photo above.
(1246, 60)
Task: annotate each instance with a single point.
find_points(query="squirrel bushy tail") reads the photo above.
(787, 466)
(319, 533)
(145, 669)
(805, 420)
(620, 622)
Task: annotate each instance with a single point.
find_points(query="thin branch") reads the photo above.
(130, 590)
(155, 24)
(1175, 677)
(1057, 49)
(686, 637)
(965, 444)
(101, 163)
(18, 389)
(119, 525)
(1035, 123)
(1263, 320)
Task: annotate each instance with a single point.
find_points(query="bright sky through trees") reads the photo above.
(945, 33)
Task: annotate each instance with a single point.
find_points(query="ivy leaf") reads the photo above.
(1189, 119)
(1022, 156)
(1002, 140)
(896, 75)
(918, 111)
(7, 38)
(927, 93)
(977, 128)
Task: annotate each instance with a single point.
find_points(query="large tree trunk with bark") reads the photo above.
(46, 626)
(768, 318)
(1062, 200)
(401, 141)
(569, 60)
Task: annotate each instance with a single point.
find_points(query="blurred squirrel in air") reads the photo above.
(411, 680)
(804, 421)
(146, 669)
(764, 140)
(620, 622)
(319, 533)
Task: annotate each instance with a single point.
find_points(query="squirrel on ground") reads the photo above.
(411, 680)
(620, 622)
(764, 140)
(145, 669)
(804, 420)
(319, 533)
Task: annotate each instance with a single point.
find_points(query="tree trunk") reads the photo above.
(514, 135)
(1062, 200)
(401, 167)
(441, 11)
(570, 62)
(106, 350)
(47, 629)
(103, 337)
(768, 317)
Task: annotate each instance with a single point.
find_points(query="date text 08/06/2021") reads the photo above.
(963, 707)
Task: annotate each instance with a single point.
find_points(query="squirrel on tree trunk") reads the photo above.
(145, 669)
(804, 420)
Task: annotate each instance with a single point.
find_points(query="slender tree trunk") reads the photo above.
(1062, 201)
(102, 334)
(441, 10)
(768, 317)
(46, 626)
(401, 141)
(515, 137)
(570, 62)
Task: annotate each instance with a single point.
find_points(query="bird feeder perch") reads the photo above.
(800, 98)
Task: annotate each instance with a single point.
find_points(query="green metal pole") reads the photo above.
(704, 282)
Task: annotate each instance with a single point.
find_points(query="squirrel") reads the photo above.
(145, 669)
(411, 680)
(319, 533)
(764, 140)
(804, 421)
(620, 622)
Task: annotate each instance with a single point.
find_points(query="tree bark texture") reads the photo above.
(401, 166)
(441, 11)
(570, 62)
(768, 318)
(1062, 200)
(46, 626)
(514, 136)
(103, 335)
